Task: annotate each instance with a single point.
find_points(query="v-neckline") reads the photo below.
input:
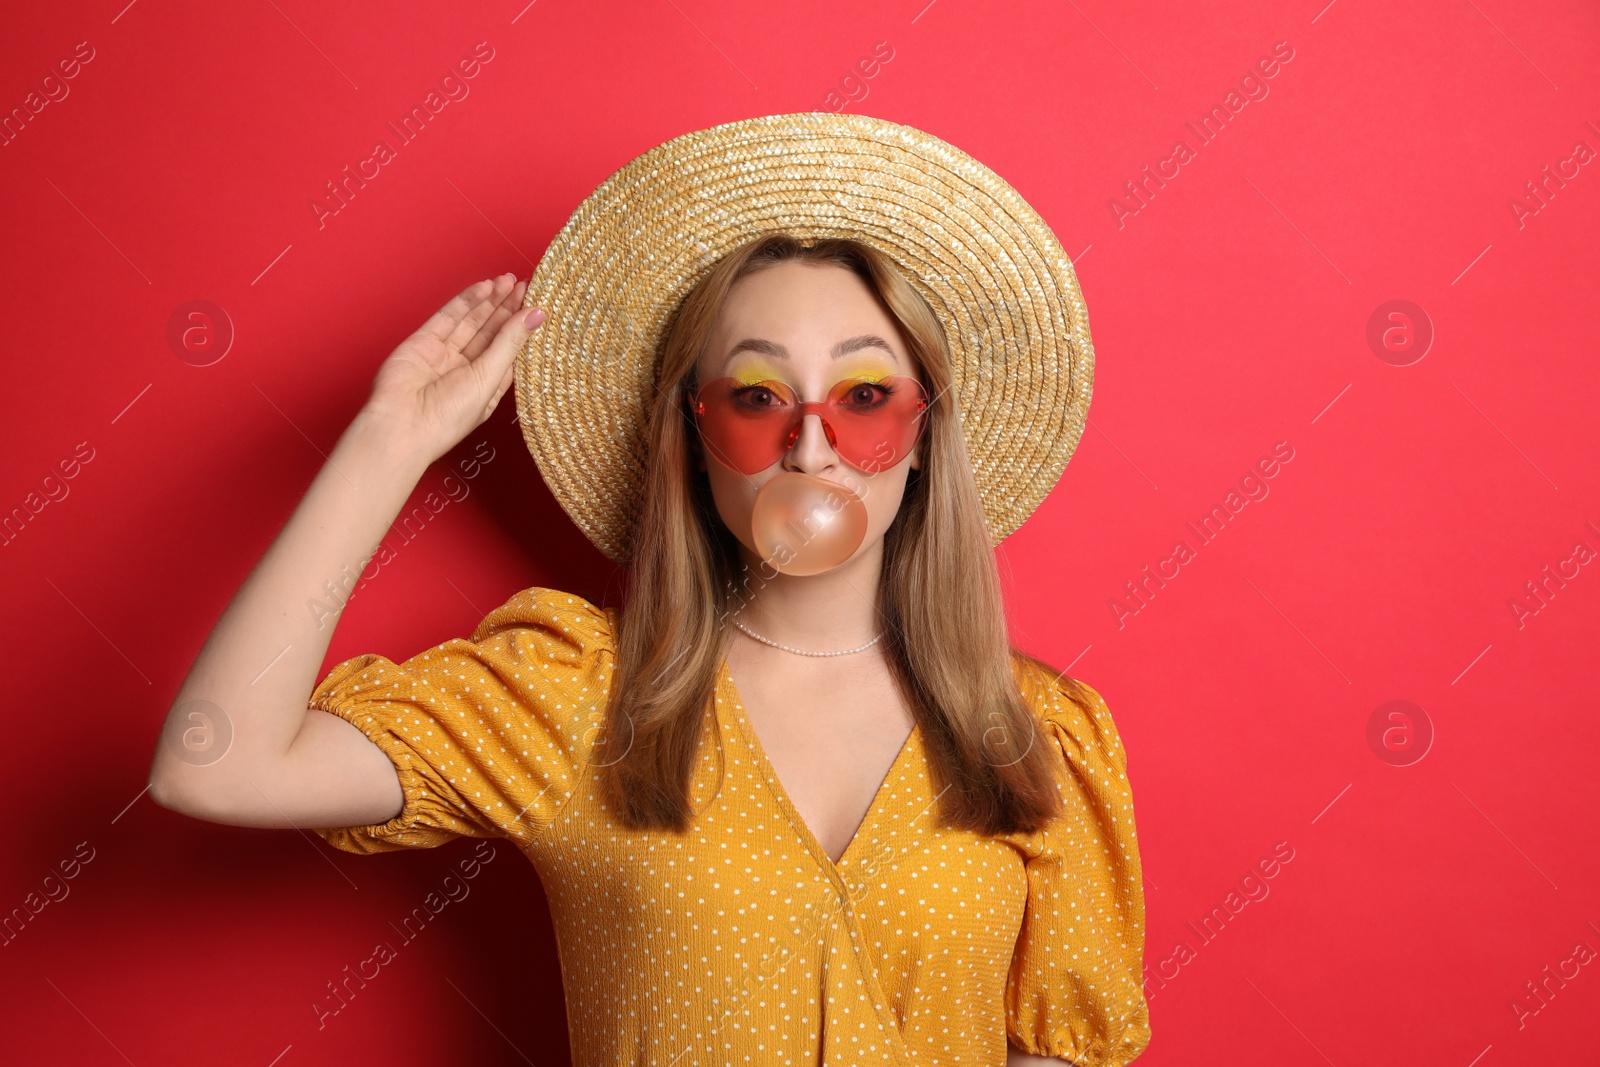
(752, 741)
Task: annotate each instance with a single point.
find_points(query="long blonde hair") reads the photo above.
(939, 594)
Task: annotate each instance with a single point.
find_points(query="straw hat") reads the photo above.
(611, 279)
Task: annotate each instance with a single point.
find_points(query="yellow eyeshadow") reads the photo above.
(754, 373)
(870, 373)
(750, 374)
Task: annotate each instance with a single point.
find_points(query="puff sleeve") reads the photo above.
(488, 734)
(1075, 989)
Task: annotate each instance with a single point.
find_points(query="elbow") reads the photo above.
(166, 791)
(174, 786)
(184, 799)
(164, 783)
(183, 778)
(159, 782)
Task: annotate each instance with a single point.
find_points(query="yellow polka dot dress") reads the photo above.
(740, 941)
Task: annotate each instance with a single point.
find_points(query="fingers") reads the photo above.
(507, 307)
(496, 362)
(479, 313)
(447, 318)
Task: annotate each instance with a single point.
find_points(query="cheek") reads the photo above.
(884, 494)
(735, 498)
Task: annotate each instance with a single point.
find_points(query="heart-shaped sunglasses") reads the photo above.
(748, 426)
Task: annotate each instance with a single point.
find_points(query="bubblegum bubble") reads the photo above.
(804, 525)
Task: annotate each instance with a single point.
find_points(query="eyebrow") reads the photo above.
(839, 351)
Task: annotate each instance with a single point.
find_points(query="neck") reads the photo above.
(821, 612)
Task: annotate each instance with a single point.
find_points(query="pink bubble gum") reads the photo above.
(805, 525)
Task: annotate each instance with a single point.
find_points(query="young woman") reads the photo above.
(780, 818)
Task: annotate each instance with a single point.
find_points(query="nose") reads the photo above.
(811, 452)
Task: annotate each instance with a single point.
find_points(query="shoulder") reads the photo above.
(489, 733)
(555, 623)
(1072, 713)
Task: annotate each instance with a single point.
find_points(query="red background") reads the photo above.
(1229, 312)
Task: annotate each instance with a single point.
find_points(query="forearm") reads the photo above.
(260, 662)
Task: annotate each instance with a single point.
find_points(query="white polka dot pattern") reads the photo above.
(740, 941)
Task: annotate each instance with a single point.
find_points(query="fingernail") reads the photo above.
(533, 318)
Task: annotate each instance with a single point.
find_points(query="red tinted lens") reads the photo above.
(876, 423)
(744, 425)
(873, 425)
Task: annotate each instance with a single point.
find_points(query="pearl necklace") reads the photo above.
(801, 651)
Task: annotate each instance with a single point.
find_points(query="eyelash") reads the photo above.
(886, 390)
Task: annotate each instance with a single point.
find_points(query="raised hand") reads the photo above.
(443, 381)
